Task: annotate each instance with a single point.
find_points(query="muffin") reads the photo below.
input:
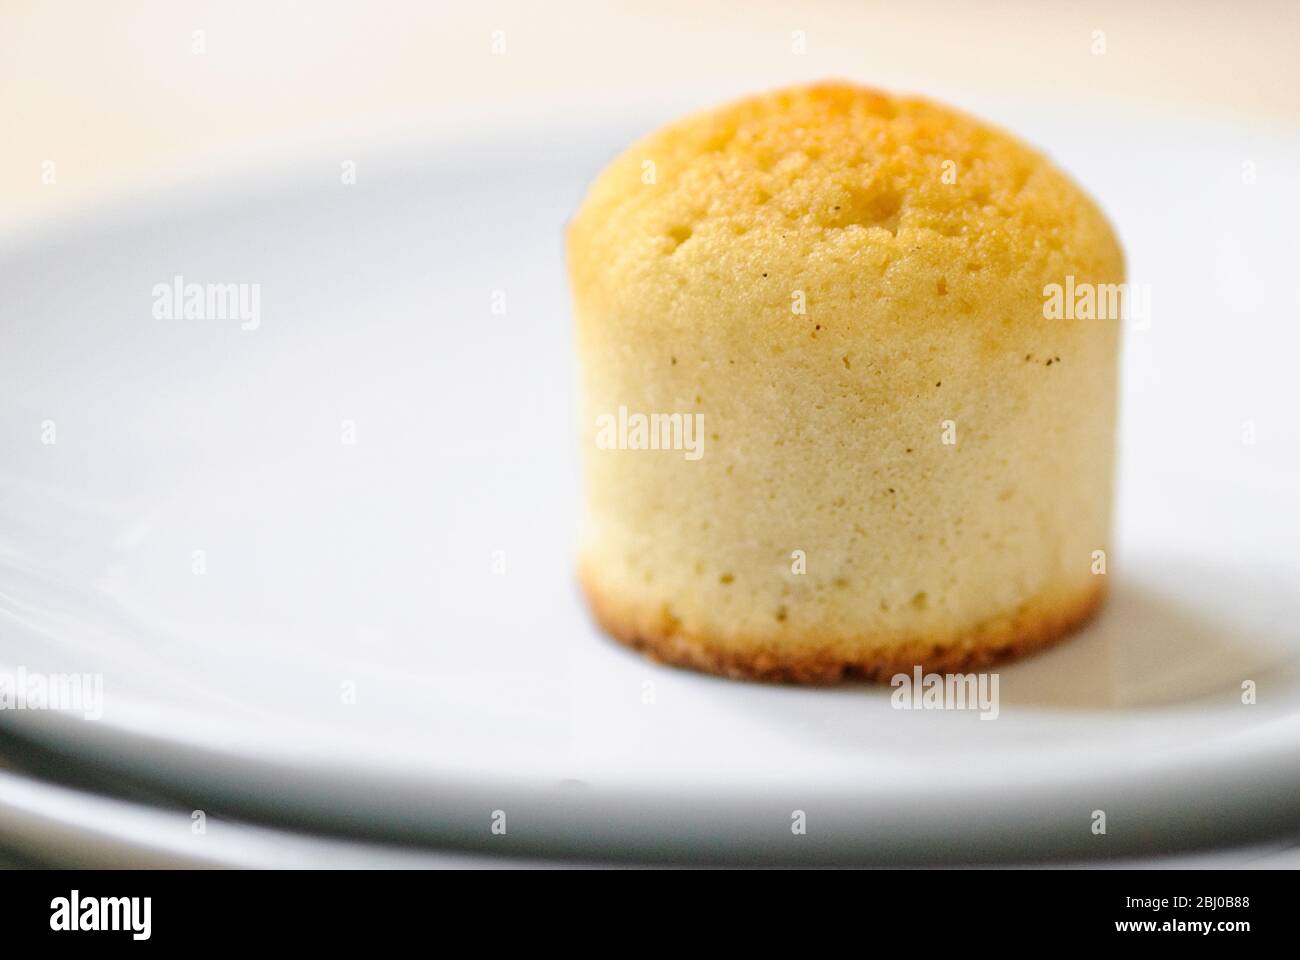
(833, 426)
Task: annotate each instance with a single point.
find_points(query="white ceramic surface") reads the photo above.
(368, 567)
(48, 825)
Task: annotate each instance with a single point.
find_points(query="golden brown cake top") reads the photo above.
(899, 185)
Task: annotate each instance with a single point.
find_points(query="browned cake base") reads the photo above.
(1035, 626)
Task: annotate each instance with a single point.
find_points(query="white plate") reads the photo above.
(369, 567)
(49, 825)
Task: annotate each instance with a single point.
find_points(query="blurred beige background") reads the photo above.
(101, 97)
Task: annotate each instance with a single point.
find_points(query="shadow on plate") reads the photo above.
(1179, 635)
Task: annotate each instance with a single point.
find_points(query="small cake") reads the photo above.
(833, 426)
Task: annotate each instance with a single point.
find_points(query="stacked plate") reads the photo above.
(288, 496)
